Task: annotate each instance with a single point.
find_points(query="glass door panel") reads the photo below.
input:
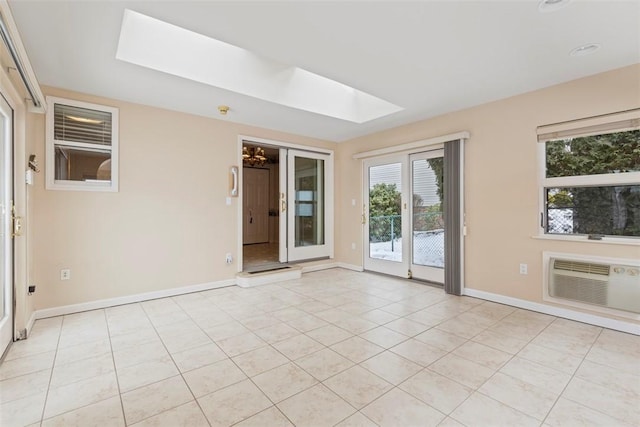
(427, 225)
(385, 206)
(309, 201)
(6, 244)
(308, 232)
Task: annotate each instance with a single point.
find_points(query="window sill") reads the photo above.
(83, 186)
(584, 239)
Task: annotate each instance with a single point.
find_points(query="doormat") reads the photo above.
(267, 269)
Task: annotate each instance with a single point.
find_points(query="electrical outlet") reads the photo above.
(524, 268)
(353, 246)
(65, 274)
(229, 258)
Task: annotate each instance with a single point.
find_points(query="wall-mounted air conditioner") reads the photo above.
(610, 283)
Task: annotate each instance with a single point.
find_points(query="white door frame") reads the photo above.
(396, 268)
(297, 253)
(6, 224)
(282, 207)
(431, 274)
(330, 193)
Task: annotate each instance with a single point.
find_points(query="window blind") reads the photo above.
(599, 125)
(76, 124)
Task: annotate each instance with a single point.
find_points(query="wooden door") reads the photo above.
(255, 212)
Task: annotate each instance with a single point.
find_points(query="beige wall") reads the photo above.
(168, 226)
(501, 179)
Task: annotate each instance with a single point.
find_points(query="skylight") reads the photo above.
(161, 46)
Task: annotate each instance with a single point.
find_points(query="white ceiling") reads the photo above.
(429, 57)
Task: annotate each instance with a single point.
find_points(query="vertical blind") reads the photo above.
(453, 217)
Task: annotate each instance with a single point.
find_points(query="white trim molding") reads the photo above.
(605, 322)
(413, 147)
(352, 267)
(30, 323)
(129, 299)
(21, 60)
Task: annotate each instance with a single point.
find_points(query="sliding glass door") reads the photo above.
(6, 243)
(384, 217)
(403, 216)
(309, 219)
(427, 218)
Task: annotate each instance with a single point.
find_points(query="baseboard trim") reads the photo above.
(129, 299)
(248, 280)
(30, 323)
(578, 316)
(350, 266)
(318, 267)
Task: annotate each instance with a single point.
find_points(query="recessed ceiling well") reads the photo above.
(161, 46)
(412, 59)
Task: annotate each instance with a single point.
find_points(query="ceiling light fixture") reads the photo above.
(586, 49)
(223, 109)
(552, 5)
(253, 156)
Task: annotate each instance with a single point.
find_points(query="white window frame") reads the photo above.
(51, 182)
(599, 180)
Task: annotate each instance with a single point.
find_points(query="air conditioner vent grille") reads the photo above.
(582, 267)
(580, 289)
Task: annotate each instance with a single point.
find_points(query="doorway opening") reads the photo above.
(260, 200)
(287, 204)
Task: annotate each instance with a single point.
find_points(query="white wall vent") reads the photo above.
(615, 285)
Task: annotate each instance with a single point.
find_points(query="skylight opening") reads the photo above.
(184, 53)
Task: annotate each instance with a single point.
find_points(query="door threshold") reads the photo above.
(267, 269)
(274, 275)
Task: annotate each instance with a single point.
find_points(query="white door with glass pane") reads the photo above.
(427, 219)
(6, 244)
(309, 205)
(385, 195)
(403, 220)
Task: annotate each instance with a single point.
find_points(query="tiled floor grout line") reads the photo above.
(53, 365)
(268, 344)
(81, 359)
(319, 382)
(274, 404)
(564, 388)
(573, 375)
(270, 300)
(477, 389)
(180, 373)
(115, 368)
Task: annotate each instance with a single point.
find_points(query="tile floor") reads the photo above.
(333, 348)
(259, 254)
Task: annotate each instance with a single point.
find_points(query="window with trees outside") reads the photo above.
(591, 184)
(82, 146)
